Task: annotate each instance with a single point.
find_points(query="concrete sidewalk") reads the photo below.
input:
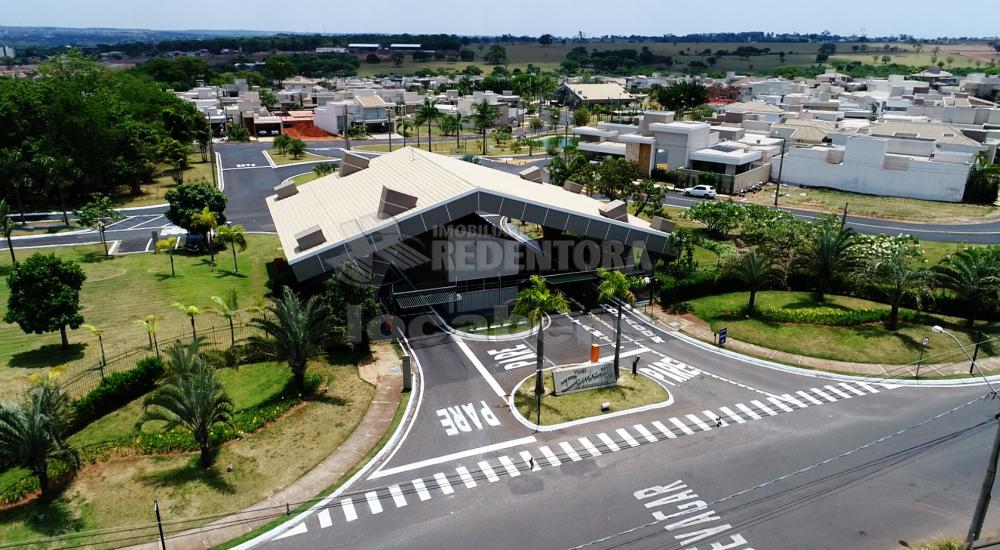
(384, 369)
(693, 326)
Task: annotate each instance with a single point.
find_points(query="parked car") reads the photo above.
(700, 191)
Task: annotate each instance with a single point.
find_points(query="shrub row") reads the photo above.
(115, 391)
(834, 317)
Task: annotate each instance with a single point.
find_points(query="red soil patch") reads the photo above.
(307, 131)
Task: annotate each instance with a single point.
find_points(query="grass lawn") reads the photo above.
(163, 181)
(631, 392)
(122, 289)
(473, 147)
(119, 492)
(862, 344)
(283, 159)
(305, 178)
(935, 252)
(44, 227)
(893, 208)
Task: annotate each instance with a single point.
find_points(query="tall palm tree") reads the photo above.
(404, 126)
(196, 402)
(191, 312)
(205, 222)
(295, 332)
(151, 323)
(229, 309)
(615, 286)
(183, 358)
(973, 274)
(755, 269)
(7, 228)
(427, 113)
(235, 237)
(827, 254)
(484, 116)
(33, 433)
(895, 276)
(533, 303)
(167, 247)
(459, 119)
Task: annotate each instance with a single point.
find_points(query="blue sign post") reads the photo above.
(723, 332)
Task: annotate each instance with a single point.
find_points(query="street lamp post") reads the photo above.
(781, 167)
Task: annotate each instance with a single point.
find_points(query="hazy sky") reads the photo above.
(923, 18)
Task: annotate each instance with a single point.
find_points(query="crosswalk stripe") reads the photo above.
(627, 437)
(823, 394)
(422, 492)
(608, 442)
(697, 422)
(714, 419)
(530, 461)
(763, 407)
(645, 433)
(808, 397)
(347, 505)
(552, 458)
(867, 387)
(681, 426)
(663, 429)
(373, 502)
(508, 465)
(570, 451)
(488, 471)
(594, 451)
(838, 392)
(788, 397)
(850, 388)
(780, 404)
(655, 374)
(729, 412)
(463, 473)
(324, 518)
(397, 496)
(671, 373)
(443, 483)
(748, 411)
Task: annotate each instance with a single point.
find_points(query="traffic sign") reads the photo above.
(925, 341)
(723, 332)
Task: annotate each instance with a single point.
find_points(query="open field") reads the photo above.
(118, 492)
(631, 392)
(121, 289)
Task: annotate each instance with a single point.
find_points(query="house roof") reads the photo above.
(942, 133)
(754, 107)
(370, 101)
(807, 131)
(599, 92)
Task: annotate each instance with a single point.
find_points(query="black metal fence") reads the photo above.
(217, 337)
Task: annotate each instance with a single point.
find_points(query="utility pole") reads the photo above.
(781, 167)
(159, 524)
(985, 493)
(975, 353)
(843, 220)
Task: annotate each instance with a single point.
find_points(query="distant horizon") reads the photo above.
(564, 18)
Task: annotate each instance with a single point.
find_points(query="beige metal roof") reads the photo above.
(926, 130)
(754, 107)
(599, 92)
(370, 101)
(346, 207)
(807, 131)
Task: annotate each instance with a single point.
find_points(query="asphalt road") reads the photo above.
(744, 457)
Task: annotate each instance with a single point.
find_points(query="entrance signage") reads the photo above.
(583, 377)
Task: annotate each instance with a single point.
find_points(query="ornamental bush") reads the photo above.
(116, 390)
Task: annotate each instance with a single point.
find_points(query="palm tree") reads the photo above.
(191, 312)
(12, 170)
(167, 246)
(7, 228)
(895, 276)
(196, 401)
(533, 303)
(281, 142)
(404, 126)
(973, 274)
(755, 269)
(183, 358)
(99, 333)
(204, 222)
(33, 433)
(616, 286)
(151, 323)
(228, 308)
(235, 237)
(484, 116)
(428, 113)
(295, 334)
(459, 119)
(827, 254)
(297, 148)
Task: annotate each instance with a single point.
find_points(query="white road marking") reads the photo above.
(850, 388)
(421, 489)
(867, 386)
(809, 397)
(608, 442)
(397, 496)
(748, 411)
(488, 471)
(594, 451)
(443, 483)
(729, 412)
(530, 461)
(697, 422)
(681, 426)
(663, 429)
(463, 473)
(297, 530)
(324, 518)
(823, 394)
(838, 392)
(454, 456)
(494, 385)
(788, 397)
(714, 418)
(648, 371)
(373, 502)
(508, 465)
(645, 433)
(552, 458)
(627, 437)
(780, 404)
(347, 505)
(570, 451)
(763, 407)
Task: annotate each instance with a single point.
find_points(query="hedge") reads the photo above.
(115, 391)
(836, 317)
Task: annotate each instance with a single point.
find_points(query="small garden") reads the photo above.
(630, 392)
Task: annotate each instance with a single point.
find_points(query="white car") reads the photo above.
(700, 191)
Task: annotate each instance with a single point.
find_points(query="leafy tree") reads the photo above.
(151, 324)
(756, 269)
(205, 222)
(896, 276)
(545, 39)
(279, 68)
(719, 217)
(827, 254)
(167, 247)
(484, 117)
(188, 200)
(581, 116)
(983, 182)
(447, 124)
(295, 332)
(617, 287)
(496, 55)
(238, 133)
(267, 98)
(397, 59)
(536, 124)
(34, 432)
(281, 142)
(13, 170)
(323, 169)
(235, 237)
(615, 176)
(648, 197)
(372, 59)
(297, 148)
(196, 402)
(7, 228)
(427, 112)
(500, 136)
(534, 303)
(45, 295)
(682, 96)
(973, 274)
(350, 301)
